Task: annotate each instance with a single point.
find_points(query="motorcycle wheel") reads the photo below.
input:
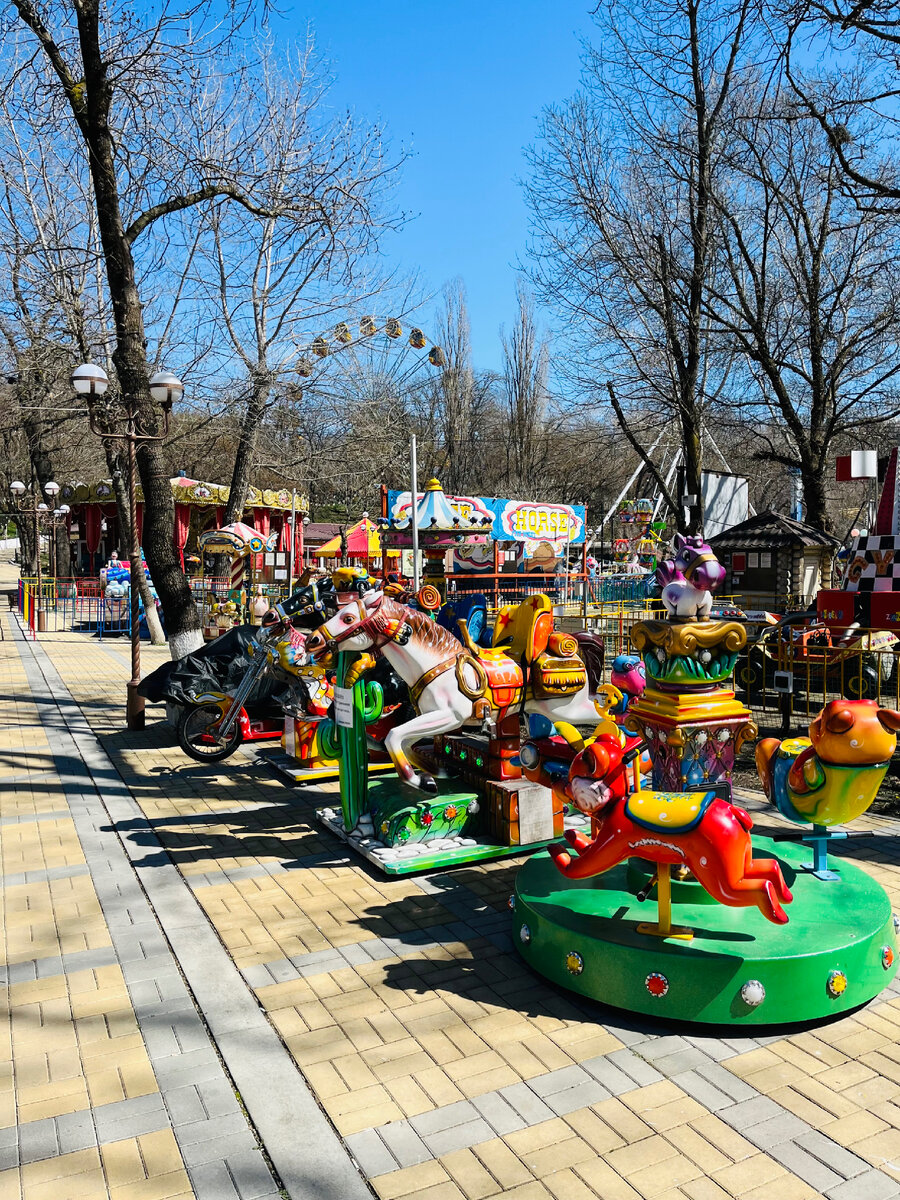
(196, 727)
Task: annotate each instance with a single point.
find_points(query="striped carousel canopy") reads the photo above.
(435, 514)
(237, 540)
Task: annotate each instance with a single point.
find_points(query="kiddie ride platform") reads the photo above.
(401, 831)
(838, 950)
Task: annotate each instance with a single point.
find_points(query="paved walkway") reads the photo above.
(208, 997)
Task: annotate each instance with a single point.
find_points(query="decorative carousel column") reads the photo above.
(692, 723)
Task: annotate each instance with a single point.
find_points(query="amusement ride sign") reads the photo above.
(530, 522)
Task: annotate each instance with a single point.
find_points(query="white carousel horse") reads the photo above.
(451, 684)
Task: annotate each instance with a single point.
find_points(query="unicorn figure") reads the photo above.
(689, 580)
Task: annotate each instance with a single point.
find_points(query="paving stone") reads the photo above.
(459, 1137)
(258, 975)
(873, 1185)
(683, 1060)
(639, 1070)
(217, 1097)
(833, 1155)
(726, 1081)
(160, 1040)
(27, 818)
(498, 1113)
(580, 1096)
(130, 1118)
(76, 1131)
(144, 967)
(194, 1066)
(702, 1090)
(15, 879)
(334, 963)
(251, 1176)
(775, 1130)
(404, 1143)
(445, 1117)
(526, 1103)
(371, 1153)
(742, 1045)
(37, 1140)
(185, 1106)
(661, 1047)
(810, 1169)
(747, 1113)
(610, 1076)
(558, 1081)
(216, 1146)
(212, 1181)
(357, 955)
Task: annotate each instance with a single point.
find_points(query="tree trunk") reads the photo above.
(129, 356)
(243, 464)
(815, 499)
(118, 464)
(27, 549)
(243, 459)
(693, 478)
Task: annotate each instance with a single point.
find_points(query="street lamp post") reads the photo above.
(165, 389)
(55, 521)
(37, 512)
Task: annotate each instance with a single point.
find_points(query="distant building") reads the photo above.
(772, 561)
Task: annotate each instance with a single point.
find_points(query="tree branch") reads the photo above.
(640, 451)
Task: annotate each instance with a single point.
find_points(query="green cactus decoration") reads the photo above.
(352, 750)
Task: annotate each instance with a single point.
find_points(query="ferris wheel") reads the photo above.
(372, 354)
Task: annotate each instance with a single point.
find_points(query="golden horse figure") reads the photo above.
(531, 668)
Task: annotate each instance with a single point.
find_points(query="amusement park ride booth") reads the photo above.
(487, 544)
(94, 529)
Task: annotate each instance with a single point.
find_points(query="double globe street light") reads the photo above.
(126, 420)
(39, 512)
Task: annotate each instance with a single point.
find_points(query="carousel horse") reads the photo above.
(688, 580)
(693, 829)
(832, 777)
(530, 668)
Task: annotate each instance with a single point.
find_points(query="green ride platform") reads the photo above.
(837, 951)
(392, 833)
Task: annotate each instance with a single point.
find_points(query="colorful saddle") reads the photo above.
(677, 812)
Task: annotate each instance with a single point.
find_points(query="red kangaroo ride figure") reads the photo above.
(694, 829)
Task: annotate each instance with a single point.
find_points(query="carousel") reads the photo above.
(673, 905)
(199, 507)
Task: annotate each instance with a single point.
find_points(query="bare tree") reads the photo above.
(526, 364)
(153, 151)
(453, 408)
(810, 294)
(281, 275)
(621, 193)
(841, 63)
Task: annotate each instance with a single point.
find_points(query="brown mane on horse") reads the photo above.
(426, 630)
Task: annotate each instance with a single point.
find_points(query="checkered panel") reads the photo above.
(879, 570)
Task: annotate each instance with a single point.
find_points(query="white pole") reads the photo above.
(293, 540)
(414, 504)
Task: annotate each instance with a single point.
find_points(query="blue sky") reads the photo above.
(461, 85)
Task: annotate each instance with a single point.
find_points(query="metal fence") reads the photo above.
(573, 590)
(792, 672)
(75, 606)
(785, 673)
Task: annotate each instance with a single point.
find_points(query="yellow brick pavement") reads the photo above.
(69, 1040)
(391, 1040)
